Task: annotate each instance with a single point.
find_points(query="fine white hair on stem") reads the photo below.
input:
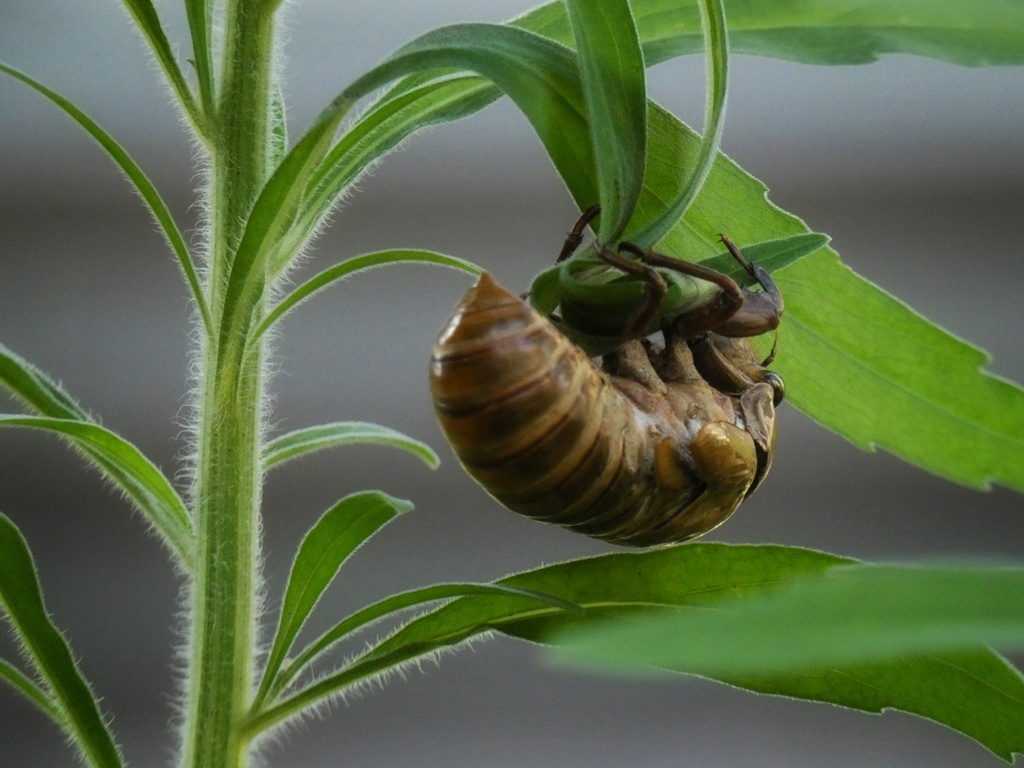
(378, 681)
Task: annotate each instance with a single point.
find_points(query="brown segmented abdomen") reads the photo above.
(553, 437)
(522, 406)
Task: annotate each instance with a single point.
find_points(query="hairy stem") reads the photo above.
(242, 142)
(223, 636)
(228, 472)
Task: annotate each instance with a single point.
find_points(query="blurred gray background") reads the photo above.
(915, 168)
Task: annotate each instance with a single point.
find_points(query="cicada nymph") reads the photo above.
(657, 444)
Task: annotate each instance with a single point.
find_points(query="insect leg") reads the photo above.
(632, 361)
(705, 317)
(730, 365)
(760, 311)
(771, 354)
(655, 289)
(721, 366)
(575, 236)
(756, 272)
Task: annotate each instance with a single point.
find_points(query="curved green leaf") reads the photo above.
(819, 32)
(199, 26)
(352, 266)
(138, 178)
(541, 76)
(132, 472)
(846, 32)
(770, 255)
(272, 217)
(116, 459)
(148, 21)
(381, 128)
(837, 637)
(31, 691)
(381, 609)
(22, 600)
(535, 72)
(336, 535)
(969, 32)
(310, 439)
(716, 44)
(614, 89)
(37, 390)
(538, 74)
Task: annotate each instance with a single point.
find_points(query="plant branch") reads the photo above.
(230, 421)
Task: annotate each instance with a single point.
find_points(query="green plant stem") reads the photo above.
(228, 471)
(227, 504)
(242, 143)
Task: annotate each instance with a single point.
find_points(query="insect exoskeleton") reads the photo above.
(659, 445)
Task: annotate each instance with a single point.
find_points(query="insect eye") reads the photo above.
(778, 387)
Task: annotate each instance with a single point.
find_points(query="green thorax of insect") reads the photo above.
(592, 294)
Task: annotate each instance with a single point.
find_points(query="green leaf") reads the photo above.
(533, 71)
(614, 89)
(199, 25)
(310, 439)
(716, 44)
(37, 390)
(850, 614)
(338, 533)
(118, 460)
(22, 600)
(898, 381)
(148, 22)
(707, 576)
(132, 472)
(704, 576)
(604, 586)
(970, 32)
(770, 255)
(140, 181)
(272, 216)
(840, 637)
(614, 584)
(31, 691)
(818, 32)
(352, 266)
(539, 75)
(278, 127)
(545, 290)
(854, 358)
(388, 607)
(380, 129)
